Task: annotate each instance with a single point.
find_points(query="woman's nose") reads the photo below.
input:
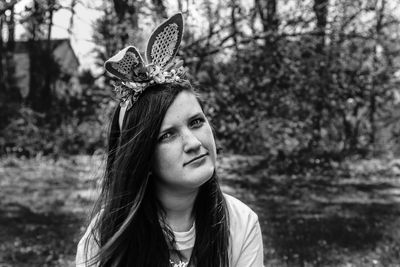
(190, 142)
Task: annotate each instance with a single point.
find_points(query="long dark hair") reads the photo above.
(130, 229)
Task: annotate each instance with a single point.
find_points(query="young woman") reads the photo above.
(161, 204)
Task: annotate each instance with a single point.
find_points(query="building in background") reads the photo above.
(62, 53)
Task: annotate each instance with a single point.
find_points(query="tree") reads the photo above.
(8, 91)
(305, 79)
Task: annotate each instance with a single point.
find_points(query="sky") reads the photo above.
(81, 36)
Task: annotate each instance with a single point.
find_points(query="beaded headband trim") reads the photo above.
(135, 75)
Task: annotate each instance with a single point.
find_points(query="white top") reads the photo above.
(185, 240)
(245, 242)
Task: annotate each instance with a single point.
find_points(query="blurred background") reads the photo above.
(304, 97)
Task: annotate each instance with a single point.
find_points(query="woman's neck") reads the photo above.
(178, 208)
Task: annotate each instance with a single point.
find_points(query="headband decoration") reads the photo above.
(134, 75)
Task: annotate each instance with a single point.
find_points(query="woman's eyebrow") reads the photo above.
(172, 127)
(167, 129)
(196, 115)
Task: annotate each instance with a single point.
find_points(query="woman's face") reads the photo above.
(185, 154)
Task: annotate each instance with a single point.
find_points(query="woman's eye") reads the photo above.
(164, 137)
(197, 122)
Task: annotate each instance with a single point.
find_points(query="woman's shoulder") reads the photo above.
(239, 213)
(244, 234)
(88, 239)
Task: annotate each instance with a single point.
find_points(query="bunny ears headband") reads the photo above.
(134, 75)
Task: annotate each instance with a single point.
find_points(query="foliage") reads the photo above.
(303, 81)
(295, 94)
(74, 128)
(77, 124)
(61, 113)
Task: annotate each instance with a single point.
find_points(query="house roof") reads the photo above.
(23, 46)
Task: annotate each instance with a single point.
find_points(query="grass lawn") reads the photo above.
(347, 217)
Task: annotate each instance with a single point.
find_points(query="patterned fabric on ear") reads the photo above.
(128, 65)
(134, 75)
(164, 42)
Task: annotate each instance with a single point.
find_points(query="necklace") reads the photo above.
(179, 264)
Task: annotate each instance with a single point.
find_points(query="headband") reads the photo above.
(134, 75)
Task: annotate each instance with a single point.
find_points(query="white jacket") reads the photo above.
(245, 248)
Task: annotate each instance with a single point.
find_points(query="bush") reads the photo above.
(31, 133)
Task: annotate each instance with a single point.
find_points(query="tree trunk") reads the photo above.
(1, 55)
(180, 6)
(12, 90)
(320, 8)
(11, 31)
(234, 6)
(34, 87)
(9, 93)
(272, 19)
(267, 12)
(379, 7)
(48, 56)
(321, 12)
(123, 7)
(126, 10)
(71, 19)
(160, 8)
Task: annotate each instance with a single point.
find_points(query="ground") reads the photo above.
(348, 216)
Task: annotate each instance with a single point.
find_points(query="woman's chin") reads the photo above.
(202, 175)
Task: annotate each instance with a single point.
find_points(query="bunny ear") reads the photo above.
(164, 41)
(127, 65)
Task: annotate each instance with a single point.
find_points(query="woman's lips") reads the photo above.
(195, 159)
